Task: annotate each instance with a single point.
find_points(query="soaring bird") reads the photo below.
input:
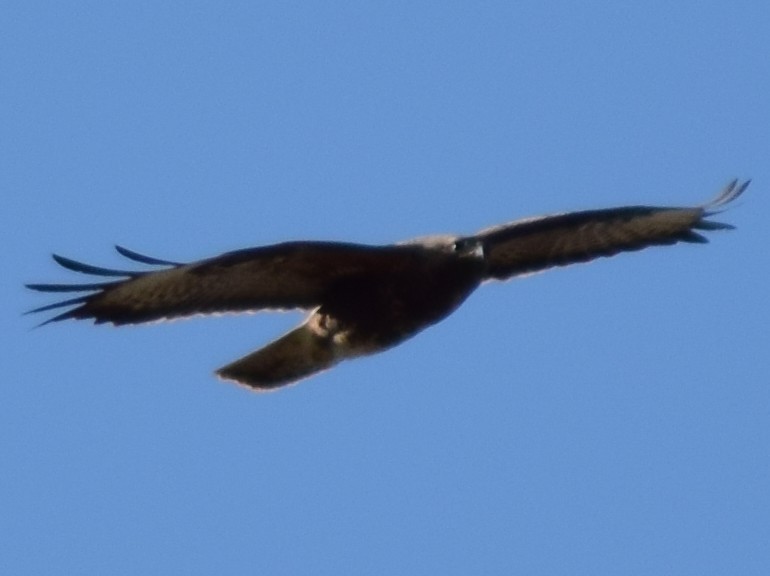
(365, 299)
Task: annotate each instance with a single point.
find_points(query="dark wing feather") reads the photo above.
(288, 275)
(137, 257)
(532, 245)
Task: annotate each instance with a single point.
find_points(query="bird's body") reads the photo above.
(365, 299)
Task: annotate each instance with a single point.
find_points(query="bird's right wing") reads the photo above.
(281, 276)
(535, 244)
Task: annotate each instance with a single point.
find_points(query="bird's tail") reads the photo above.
(294, 356)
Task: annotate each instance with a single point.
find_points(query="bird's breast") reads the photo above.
(384, 309)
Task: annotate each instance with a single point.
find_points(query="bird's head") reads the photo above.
(464, 246)
(469, 246)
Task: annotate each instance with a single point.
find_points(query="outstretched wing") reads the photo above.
(535, 244)
(281, 276)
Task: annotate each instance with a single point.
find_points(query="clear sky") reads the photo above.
(612, 418)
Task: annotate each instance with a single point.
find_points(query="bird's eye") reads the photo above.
(468, 247)
(461, 245)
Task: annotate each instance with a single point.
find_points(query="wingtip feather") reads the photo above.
(142, 258)
(63, 303)
(734, 189)
(68, 287)
(84, 268)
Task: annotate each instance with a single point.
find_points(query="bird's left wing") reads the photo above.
(535, 244)
(281, 276)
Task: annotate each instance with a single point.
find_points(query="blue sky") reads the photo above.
(612, 418)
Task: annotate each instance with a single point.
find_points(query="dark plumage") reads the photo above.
(365, 299)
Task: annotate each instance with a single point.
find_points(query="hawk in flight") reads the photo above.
(365, 299)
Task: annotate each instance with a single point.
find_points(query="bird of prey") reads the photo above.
(365, 299)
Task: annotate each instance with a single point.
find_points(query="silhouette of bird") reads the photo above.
(365, 299)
